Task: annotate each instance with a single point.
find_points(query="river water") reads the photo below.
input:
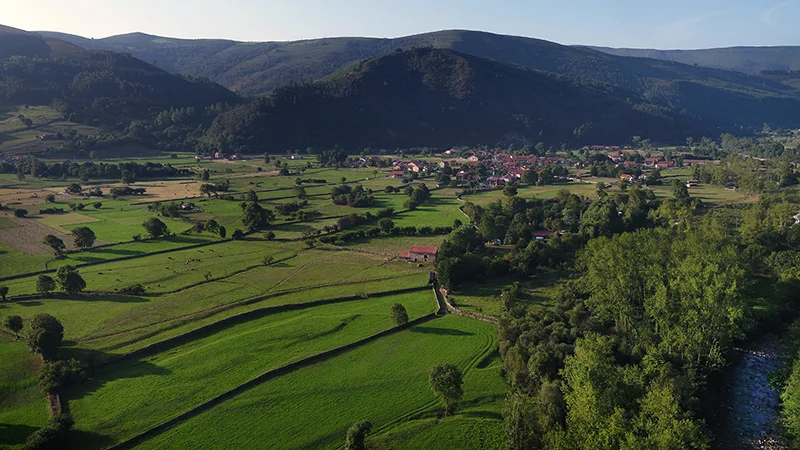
(751, 406)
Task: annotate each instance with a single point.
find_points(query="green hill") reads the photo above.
(750, 60)
(431, 97)
(106, 91)
(715, 99)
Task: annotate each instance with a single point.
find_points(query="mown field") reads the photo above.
(313, 406)
(217, 313)
(135, 395)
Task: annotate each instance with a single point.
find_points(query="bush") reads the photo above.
(136, 289)
(20, 212)
(52, 436)
(59, 375)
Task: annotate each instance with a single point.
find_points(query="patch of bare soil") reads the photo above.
(29, 237)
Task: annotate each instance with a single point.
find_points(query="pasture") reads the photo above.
(216, 313)
(313, 406)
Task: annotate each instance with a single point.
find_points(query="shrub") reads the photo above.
(59, 375)
(136, 289)
(52, 435)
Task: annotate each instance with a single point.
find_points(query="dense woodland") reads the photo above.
(659, 296)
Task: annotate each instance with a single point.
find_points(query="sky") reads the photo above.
(671, 24)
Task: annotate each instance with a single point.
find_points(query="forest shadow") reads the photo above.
(441, 331)
(80, 439)
(12, 434)
(101, 375)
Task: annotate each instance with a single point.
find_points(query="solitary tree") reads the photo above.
(680, 191)
(446, 382)
(19, 212)
(45, 336)
(56, 244)
(70, 280)
(45, 284)
(268, 260)
(222, 232)
(386, 224)
(155, 227)
(84, 237)
(3, 292)
(399, 314)
(212, 226)
(98, 205)
(356, 435)
(510, 190)
(14, 325)
(205, 176)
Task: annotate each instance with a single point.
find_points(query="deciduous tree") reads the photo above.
(45, 336)
(446, 382)
(399, 314)
(14, 324)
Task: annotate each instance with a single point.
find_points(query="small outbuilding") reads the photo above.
(419, 254)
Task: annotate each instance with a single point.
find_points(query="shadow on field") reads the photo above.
(440, 331)
(133, 368)
(344, 323)
(14, 434)
(87, 439)
(115, 251)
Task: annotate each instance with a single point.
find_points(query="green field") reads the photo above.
(136, 395)
(218, 313)
(313, 406)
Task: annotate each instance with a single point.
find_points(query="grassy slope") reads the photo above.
(312, 407)
(137, 395)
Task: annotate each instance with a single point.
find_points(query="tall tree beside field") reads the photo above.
(13, 324)
(399, 314)
(56, 244)
(356, 435)
(45, 336)
(45, 284)
(84, 237)
(446, 382)
(3, 293)
(155, 227)
(70, 280)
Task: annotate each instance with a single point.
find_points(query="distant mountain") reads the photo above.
(717, 98)
(14, 42)
(107, 90)
(432, 97)
(750, 60)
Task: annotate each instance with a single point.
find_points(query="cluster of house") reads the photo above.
(218, 156)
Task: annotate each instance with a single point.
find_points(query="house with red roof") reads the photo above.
(419, 254)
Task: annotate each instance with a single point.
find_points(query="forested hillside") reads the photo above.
(750, 60)
(711, 98)
(113, 91)
(428, 97)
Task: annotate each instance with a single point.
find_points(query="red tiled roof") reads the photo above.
(542, 233)
(424, 250)
(404, 255)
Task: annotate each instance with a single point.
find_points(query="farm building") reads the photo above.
(542, 235)
(419, 254)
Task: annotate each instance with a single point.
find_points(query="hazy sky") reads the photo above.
(617, 23)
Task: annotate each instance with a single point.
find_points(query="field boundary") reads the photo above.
(248, 301)
(266, 376)
(124, 258)
(161, 346)
(441, 292)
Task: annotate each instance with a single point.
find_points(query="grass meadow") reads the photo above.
(133, 396)
(384, 382)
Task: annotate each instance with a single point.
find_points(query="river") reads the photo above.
(751, 406)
